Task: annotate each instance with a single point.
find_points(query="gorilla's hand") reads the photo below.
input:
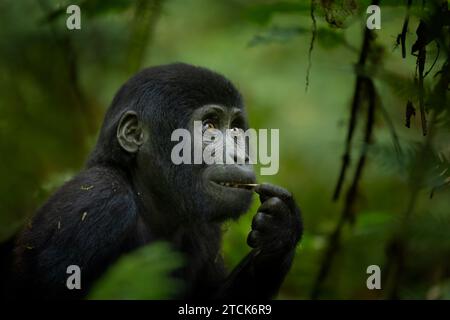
(276, 229)
(277, 226)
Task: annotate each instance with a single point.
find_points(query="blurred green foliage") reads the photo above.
(142, 274)
(56, 85)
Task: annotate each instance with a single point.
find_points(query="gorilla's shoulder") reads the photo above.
(83, 222)
(98, 196)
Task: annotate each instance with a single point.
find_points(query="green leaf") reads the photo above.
(330, 39)
(375, 222)
(278, 35)
(143, 274)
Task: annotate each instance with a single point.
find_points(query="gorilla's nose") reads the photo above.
(234, 154)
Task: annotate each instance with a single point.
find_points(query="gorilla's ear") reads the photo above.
(130, 133)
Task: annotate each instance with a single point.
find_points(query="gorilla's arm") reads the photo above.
(258, 276)
(87, 223)
(276, 230)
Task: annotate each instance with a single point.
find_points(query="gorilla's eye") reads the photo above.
(235, 131)
(208, 125)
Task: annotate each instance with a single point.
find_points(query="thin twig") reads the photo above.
(402, 35)
(421, 58)
(348, 212)
(364, 88)
(354, 110)
(311, 44)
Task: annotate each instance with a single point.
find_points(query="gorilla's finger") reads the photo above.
(253, 239)
(262, 221)
(266, 191)
(275, 207)
(270, 190)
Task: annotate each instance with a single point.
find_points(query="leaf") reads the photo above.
(277, 34)
(429, 233)
(401, 85)
(390, 162)
(143, 274)
(330, 39)
(373, 220)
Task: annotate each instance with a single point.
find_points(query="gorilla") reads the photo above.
(131, 194)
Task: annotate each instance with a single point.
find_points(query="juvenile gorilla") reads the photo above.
(131, 194)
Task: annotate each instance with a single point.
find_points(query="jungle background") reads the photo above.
(363, 118)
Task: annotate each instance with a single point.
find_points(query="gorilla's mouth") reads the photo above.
(228, 178)
(239, 185)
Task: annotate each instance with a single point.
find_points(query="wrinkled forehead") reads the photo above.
(217, 111)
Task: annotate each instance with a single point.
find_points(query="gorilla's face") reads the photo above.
(224, 179)
(209, 189)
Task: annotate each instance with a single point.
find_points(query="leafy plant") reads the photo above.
(144, 274)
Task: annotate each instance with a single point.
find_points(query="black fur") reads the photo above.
(99, 215)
